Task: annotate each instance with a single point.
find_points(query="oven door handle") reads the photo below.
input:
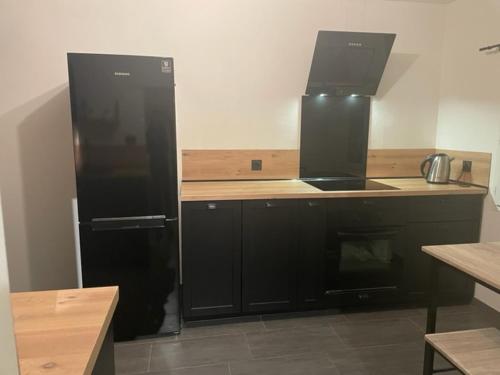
(388, 233)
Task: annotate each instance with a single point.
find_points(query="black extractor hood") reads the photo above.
(348, 63)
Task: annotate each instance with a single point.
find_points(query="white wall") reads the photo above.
(8, 356)
(241, 69)
(469, 111)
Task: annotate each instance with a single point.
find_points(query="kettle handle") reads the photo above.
(428, 159)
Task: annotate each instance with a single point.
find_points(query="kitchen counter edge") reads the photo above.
(296, 189)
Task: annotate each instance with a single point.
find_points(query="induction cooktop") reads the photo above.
(347, 184)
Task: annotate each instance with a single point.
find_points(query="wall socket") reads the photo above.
(256, 165)
(467, 165)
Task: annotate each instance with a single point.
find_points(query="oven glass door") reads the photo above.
(365, 259)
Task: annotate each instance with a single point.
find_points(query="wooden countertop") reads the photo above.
(285, 189)
(61, 331)
(481, 260)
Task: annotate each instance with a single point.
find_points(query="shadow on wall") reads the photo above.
(11, 188)
(397, 65)
(491, 220)
(47, 178)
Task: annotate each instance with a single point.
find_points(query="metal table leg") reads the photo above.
(105, 363)
(431, 315)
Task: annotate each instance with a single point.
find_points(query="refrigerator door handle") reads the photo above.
(128, 223)
(127, 218)
(126, 227)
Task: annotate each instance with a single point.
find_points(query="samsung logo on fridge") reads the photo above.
(355, 44)
(122, 74)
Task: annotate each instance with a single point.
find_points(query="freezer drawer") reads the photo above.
(143, 262)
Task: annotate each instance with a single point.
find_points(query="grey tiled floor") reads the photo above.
(375, 343)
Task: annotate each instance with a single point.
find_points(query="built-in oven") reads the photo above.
(365, 262)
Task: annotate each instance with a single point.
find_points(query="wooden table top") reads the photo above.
(474, 352)
(285, 189)
(61, 331)
(481, 260)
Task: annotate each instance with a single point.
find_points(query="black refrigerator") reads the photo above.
(123, 118)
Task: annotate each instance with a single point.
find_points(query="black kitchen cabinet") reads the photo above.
(312, 253)
(446, 208)
(365, 250)
(367, 212)
(270, 249)
(453, 284)
(211, 242)
(275, 255)
(439, 221)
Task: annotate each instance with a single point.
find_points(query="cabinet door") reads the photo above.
(452, 282)
(211, 243)
(367, 212)
(312, 253)
(270, 244)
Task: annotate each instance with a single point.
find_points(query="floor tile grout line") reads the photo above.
(375, 320)
(150, 358)
(334, 331)
(138, 342)
(235, 333)
(290, 355)
(195, 366)
(396, 344)
(215, 323)
(284, 356)
(248, 345)
(416, 325)
(207, 337)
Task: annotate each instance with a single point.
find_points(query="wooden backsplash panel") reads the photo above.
(203, 165)
(396, 162)
(481, 166)
(236, 164)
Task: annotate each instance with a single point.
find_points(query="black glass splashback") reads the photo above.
(334, 136)
(123, 116)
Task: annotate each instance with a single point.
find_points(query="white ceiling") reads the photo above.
(428, 1)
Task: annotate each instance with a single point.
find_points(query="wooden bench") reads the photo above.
(473, 352)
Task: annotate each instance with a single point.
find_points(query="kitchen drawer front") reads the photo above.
(355, 212)
(270, 203)
(446, 208)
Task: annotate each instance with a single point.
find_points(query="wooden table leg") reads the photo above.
(105, 363)
(431, 315)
